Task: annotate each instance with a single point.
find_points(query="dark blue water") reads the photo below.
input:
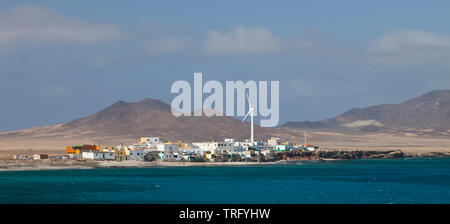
(358, 181)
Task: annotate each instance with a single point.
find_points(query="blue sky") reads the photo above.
(61, 60)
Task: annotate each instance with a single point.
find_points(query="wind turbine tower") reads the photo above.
(250, 111)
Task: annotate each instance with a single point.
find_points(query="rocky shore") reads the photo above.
(341, 155)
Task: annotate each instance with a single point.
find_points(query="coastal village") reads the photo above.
(148, 149)
(153, 149)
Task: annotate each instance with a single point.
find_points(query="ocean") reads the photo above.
(424, 180)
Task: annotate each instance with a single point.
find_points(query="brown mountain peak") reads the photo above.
(430, 112)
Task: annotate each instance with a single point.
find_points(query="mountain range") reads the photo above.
(148, 117)
(125, 122)
(426, 114)
(153, 117)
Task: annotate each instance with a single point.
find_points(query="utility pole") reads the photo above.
(305, 138)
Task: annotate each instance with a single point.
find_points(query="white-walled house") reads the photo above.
(39, 157)
(231, 146)
(173, 156)
(225, 146)
(149, 142)
(206, 146)
(168, 151)
(137, 155)
(75, 156)
(167, 148)
(280, 147)
(311, 148)
(192, 150)
(99, 155)
(21, 157)
(273, 141)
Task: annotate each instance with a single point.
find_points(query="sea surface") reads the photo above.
(425, 180)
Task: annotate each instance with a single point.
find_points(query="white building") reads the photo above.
(246, 155)
(273, 141)
(167, 148)
(225, 146)
(168, 151)
(280, 147)
(230, 146)
(21, 157)
(75, 156)
(184, 157)
(99, 155)
(192, 150)
(266, 152)
(39, 157)
(249, 142)
(137, 155)
(173, 156)
(149, 141)
(311, 148)
(206, 146)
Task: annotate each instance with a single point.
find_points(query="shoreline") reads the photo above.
(142, 164)
(133, 164)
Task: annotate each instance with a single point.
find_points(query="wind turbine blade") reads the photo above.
(249, 104)
(246, 115)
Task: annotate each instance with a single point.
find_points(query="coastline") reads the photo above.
(127, 164)
(73, 164)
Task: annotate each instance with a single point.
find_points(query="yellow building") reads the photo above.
(209, 155)
(143, 140)
(109, 149)
(122, 154)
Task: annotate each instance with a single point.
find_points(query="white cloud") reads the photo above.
(242, 40)
(409, 46)
(36, 25)
(167, 45)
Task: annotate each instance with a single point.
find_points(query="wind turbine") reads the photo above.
(250, 111)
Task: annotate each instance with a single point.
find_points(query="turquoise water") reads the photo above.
(358, 181)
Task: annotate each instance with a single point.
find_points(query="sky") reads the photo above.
(62, 60)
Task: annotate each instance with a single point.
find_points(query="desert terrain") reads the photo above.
(409, 143)
(418, 125)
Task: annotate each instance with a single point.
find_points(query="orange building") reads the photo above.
(77, 149)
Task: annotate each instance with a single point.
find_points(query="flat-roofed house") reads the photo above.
(137, 155)
(21, 157)
(99, 155)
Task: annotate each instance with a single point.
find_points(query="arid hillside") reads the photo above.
(428, 114)
(417, 125)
